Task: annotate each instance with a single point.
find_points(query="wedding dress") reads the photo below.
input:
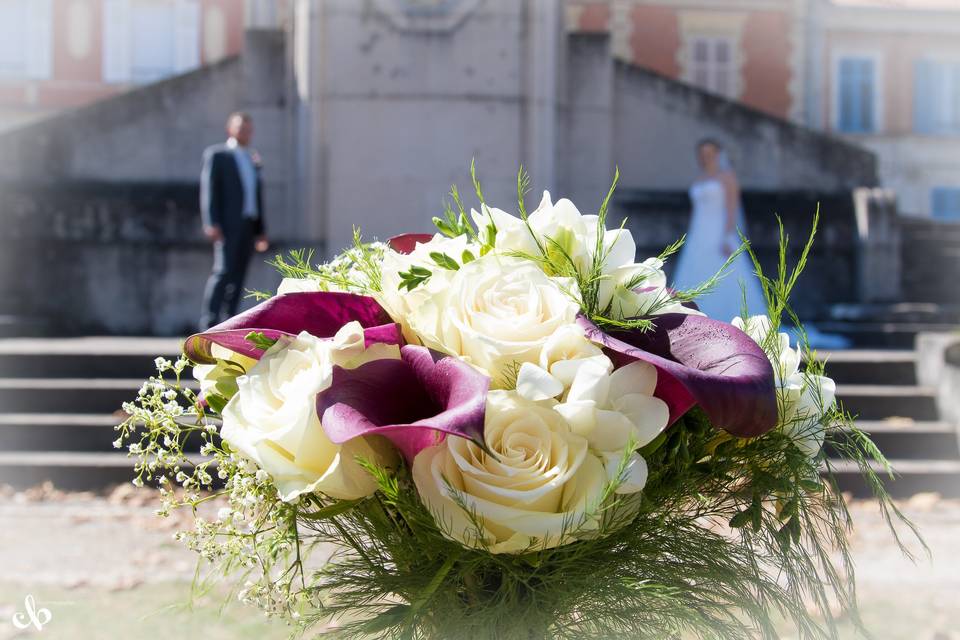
(702, 256)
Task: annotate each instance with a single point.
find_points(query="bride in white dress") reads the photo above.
(712, 237)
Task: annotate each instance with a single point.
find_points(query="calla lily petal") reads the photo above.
(405, 243)
(702, 362)
(320, 313)
(414, 402)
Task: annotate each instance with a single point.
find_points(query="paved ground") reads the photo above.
(106, 568)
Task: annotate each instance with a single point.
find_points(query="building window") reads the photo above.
(148, 40)
(153, 50)
(25, 45)
(712, 64)
(936, 97)
(945, 202)
(857, 101)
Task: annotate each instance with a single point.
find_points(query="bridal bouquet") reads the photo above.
(508, 429)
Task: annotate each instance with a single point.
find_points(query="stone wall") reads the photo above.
(157, 133)
(620, 115)
(365, 119)
(99, 257)
(657, 218)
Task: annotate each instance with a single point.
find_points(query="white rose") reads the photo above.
(496, 312)
(299, 285)
(804, 398)
(615, 410)
(273, 419)
(543, 485)
(397, 300)
(559, 229)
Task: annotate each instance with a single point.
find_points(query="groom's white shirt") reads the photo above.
(248, 176)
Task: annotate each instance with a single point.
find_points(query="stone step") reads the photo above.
(911, 477)
(885, 335)
(922, 312)
(83, 357)
(67, 395)
(68, 470)
(911, 440)
(58, 431)
(875, 366)
(878, 402)
(65, 432)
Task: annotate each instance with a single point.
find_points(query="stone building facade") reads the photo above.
(883, 73)
(61, 54)
(365, 114)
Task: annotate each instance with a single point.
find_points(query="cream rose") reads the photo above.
(543, 485)
(272, 419)
(399, 301)
(803, 398)
(496, 312)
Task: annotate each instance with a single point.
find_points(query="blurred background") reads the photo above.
(364, 113)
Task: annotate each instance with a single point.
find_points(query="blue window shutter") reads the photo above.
(945, 202)
(924, 97)
(857, 92)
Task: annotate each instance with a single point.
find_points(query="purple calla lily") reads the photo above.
(320, 313)
(415, 401)
(406, 242)
(703, 362)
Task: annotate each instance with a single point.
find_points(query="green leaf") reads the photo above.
(331, 511)
(215, 402)
(741, 519)
(467, 257)
(259, 340)
(444, 261)
(389, 618)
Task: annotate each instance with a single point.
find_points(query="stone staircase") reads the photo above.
(880, 388)
(59, 401)
(59, 404)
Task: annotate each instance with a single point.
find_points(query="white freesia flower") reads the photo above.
(273, 421)
(497, 312)
(543, 485)
(803, 398)
(561, 356)
(613, 410)
(638, 289)
(299, 285)
(398, 301)
(559, 229)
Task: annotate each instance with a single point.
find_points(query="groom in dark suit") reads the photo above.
(231, 204)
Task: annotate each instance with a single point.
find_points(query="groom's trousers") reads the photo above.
(224, 289)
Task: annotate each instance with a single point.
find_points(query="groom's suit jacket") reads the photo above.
(221, 191)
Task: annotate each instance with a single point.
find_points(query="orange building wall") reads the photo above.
(75, 82)
(594, 18)
(898, 58)
(766, 65)
(233, 14)
(655, 39)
